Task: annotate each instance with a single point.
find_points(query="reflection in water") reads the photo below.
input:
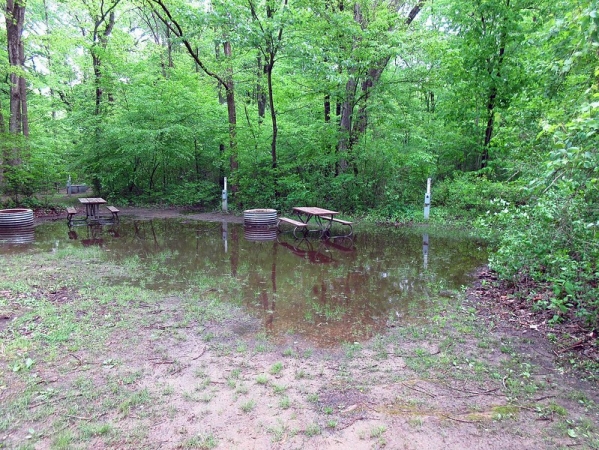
(328, 291)
(16, 235)
(425, 250)
(93, 233)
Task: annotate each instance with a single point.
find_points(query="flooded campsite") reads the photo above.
(162, 331)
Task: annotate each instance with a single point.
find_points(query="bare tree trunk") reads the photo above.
(272, 45)
(2, 150)
(231, 110)
(100, 39)
(273, 114)
(17, 122)
(260, 96)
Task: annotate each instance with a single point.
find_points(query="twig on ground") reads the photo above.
(420, 390)
(459, 420)
(197, 357)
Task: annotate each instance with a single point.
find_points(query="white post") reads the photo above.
(427, 199)
(225, 206)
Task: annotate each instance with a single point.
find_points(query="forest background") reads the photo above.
(350, 105)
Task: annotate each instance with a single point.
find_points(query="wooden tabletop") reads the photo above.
(92, 200)
(314, 211)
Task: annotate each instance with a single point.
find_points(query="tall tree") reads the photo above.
(18, 121)
(269, 42)
(167, 16)
(364, 76)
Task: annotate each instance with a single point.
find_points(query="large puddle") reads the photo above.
(326, 291)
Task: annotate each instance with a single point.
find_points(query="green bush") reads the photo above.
(475, 193)
(199, 193)
(552, 242)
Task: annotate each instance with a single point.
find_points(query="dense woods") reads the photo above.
(348, 105)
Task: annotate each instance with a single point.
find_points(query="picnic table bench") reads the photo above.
(71, 211)
(345, 222)
(114, 211)
(296, 223)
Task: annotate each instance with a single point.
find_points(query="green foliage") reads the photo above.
(473, 193)
(201, 193)
(550, 242)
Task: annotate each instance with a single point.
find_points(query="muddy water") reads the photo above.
(326, 291)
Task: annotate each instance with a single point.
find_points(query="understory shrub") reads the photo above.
(549, 241)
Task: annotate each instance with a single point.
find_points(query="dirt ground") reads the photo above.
(475, 373)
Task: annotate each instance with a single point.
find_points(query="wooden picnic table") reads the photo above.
(322, 217)
(92, 206)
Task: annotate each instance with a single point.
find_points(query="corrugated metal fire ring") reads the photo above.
(260, 217)
(15, 218)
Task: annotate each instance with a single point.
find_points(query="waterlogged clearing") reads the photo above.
(94, 355)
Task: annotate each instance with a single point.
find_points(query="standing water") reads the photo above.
(327, 291)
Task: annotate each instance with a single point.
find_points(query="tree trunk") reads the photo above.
(18, 121)
(231, 110)
(353, 127)
(2, 149)
(260, 95)
(101, 39)
(165, 15)
(273, 114)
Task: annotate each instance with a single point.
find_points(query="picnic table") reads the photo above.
(322, 218)
(92, 206)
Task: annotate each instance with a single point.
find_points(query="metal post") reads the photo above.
(69, 186)
(427, 199)
(225, 206)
